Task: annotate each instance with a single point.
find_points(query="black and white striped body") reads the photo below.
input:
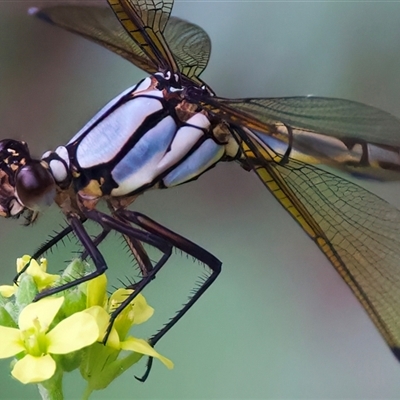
(150, 137)
(139, 140)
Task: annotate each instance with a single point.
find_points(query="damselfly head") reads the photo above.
(24, 183)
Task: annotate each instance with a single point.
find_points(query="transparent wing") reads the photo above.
(189, 43)
(356, 230)
(350, 136)
(339, 118)
(145, 21)
(153, 14)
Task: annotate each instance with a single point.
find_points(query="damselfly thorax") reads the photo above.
(148, 137)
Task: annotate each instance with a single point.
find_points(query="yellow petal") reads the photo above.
(32, 369)
(44, 280)
(43, 264)
(38, 272)
(11, 342)
(118, 297)
(113, 340)
(124, 321)
(103, 320)
(44, 310)
(21, 262)
(141, 310)
(34, 268)
(101, 316)
(137, 311)
(141, 346)
(40, 276)
(73, 333)
(96, 291)
(7, 290)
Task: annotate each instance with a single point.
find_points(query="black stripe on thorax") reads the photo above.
(104, 170)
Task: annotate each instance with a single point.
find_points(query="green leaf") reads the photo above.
(6, 319)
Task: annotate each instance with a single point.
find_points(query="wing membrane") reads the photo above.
(145, 21)
(189, 43)
(340, 118)
(350, 136)
(355, 229)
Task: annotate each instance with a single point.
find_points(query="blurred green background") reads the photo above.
(279, 322)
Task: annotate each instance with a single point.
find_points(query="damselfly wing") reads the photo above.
(278, 138)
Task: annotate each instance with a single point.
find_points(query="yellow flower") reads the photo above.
(35, 342)
(37, 271)
(96, 291)
(134, 314)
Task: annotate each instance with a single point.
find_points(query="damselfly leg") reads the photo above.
(182, 244)
(148, 232)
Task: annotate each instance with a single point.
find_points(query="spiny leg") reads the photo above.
(45, 247)
(96, 241)
(186, 246)
(89, 246)
(108, 223)
(155, 235)
(135, 246)
(53, 241)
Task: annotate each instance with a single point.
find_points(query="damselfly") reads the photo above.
(170, 128)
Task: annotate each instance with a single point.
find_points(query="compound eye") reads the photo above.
(35, 186)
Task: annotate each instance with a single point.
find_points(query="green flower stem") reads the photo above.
(52, 389)
(86, 394)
